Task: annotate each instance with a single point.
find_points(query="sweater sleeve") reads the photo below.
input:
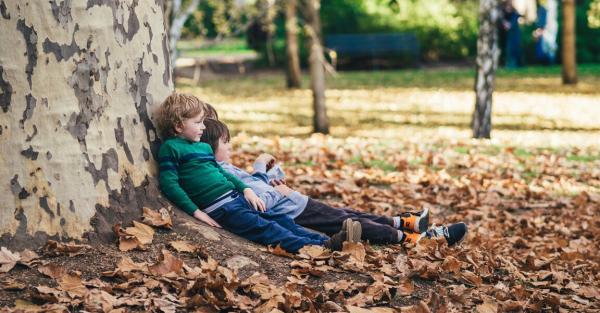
(169, 180)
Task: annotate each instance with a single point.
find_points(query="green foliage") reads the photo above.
(446, 29)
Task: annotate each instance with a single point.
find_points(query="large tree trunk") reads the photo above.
(317, 66)
(78, 81)
(487, 63)
(291, 45)
(569, 63)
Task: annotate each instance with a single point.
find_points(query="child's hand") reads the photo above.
(254, 200)
(276, 182)
(206, 219)
(284, 189)
(266, 159)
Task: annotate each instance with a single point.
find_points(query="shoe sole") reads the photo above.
(423, 221)
(356, 231)
(347, 226)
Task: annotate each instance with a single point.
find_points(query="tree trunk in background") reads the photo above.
(569, 63)
(486, 65)
(293, 73)
(179, 15)
(317, 67)
(77, 85)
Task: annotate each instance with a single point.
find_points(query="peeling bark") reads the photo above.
(75, 126)
(6, 89)
(62, 51)
(30, 36)
(3, 11)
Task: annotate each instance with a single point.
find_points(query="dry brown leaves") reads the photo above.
(162, 218)
(135, 237)
(533, 245)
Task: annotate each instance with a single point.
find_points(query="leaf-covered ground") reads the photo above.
(533, 216)
(531, 198)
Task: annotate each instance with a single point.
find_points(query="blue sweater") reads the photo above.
(292, 205)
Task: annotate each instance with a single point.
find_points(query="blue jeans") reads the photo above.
(238, 217)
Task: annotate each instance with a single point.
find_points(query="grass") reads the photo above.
(202, 48)
(539, 112)
(545, 79)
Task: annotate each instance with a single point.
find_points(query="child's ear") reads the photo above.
(178, 127)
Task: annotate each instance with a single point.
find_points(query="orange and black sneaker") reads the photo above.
(412, 238)
(416, 222)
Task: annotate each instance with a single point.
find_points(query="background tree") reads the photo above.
(178, 13)
(316, 66)
(77, 85)
(293, 73)
(486, 65)
(569, 63)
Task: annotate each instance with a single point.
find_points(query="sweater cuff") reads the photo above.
(260, 167)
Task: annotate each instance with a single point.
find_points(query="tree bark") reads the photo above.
(486, 65)
(293, 73)
(77, 85)
(569, 63)
(317, 67)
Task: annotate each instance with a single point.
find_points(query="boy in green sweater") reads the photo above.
(192, 179)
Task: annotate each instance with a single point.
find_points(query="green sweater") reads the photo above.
(190, 176)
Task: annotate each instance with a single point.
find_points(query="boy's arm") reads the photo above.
(169, 183)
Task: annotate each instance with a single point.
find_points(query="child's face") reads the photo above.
(191, 128)
(223, 151)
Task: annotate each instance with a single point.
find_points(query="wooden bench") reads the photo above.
(403, 47)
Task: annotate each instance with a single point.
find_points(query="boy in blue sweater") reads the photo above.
(280, 199)
(191, 178)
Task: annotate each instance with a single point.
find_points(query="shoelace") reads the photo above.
(437, 231)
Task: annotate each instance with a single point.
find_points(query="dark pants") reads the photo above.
(324, 218)
(240, 218)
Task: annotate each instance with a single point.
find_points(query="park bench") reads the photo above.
(403, 48)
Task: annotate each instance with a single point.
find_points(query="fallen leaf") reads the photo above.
(487, 307)
(55, 248)
(162, 218)
(280, 252)
(183, 246)
(142, 232)
(167, 263)
(29, 258)
(8, 260)
(356, 251)
(71, 283)
(314, 252)
(52, 270)
(99, 301)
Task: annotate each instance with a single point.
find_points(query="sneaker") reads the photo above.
(412, 238)
(416, 222)
(336, 242)
(351, 232)
(454, 233)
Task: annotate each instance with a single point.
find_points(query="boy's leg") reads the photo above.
(290, 224)
(238, 218)
(324, 218)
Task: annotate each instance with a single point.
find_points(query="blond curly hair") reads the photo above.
(176, 108)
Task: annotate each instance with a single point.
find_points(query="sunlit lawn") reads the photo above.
(531, 106)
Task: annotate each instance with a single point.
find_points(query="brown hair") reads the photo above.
(211, 112)
(175, 109)
(214, 131)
